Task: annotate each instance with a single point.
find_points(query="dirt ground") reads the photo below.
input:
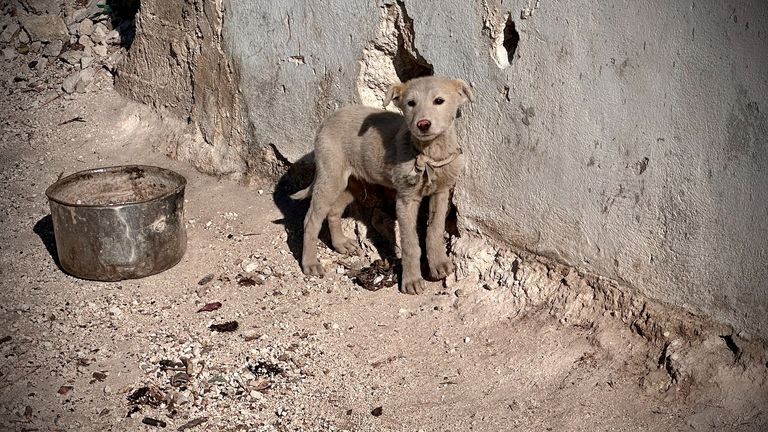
(309, 354)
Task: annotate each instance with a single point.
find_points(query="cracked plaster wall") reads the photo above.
(627, 139)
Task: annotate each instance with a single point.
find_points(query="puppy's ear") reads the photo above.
(464, 91)
(394, 95)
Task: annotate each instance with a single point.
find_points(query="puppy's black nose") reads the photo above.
(423, 125)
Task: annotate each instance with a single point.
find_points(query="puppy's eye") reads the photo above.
(411, 103)
(439, 101)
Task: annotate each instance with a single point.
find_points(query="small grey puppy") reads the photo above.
(416, 154)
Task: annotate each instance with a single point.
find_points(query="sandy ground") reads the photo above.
(309, 354)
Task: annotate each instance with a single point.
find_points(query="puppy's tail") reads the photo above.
(303, 194)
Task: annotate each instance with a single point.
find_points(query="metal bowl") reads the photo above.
(123, 222)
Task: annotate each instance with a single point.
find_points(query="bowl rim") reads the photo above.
(51, 190)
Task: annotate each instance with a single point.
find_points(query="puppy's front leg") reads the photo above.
(439, 264)
(407, 211)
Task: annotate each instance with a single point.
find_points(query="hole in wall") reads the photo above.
(409, 64)
(505, 41)
(511, 38)
(731, 344)
(122, 14)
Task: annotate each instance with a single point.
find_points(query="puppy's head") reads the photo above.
(429, 104)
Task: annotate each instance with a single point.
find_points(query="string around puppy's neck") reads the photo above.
(425, 165)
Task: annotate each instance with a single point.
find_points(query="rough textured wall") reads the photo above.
(626, 139)
(178, 65)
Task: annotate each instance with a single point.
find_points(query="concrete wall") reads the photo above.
(628, 139)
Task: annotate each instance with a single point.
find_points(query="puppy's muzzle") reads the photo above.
(423, 125)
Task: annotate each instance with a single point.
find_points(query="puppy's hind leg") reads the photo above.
(341, 243)
(325, 193)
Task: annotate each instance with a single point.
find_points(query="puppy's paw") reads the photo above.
(313, 269)
(347, 246)
(441, 269)
(413, 285)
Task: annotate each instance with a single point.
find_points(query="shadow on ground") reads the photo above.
(44, 229)
(373, 206)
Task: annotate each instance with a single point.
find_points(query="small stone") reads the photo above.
(249, 266)
(36, 46)
(70, 82)
(113, 37)
(9, 33)
(250, 335)
(52, 7)
(99, 34)
(115, 311)
(85, 62)
(9, 54)
(459, 293)
(71, 57)
(85, 28)
(41, 64)
(467, 340)
(79, 15)
(85, 41)
(45, 28)
(53, 49)
(23, 37)
(85, 79)
(100, 50)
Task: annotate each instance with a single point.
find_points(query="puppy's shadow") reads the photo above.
(44, 229)
(370, 208)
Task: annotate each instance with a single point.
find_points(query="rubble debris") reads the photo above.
(63, 390)
(246, 282)
(206, 279)
(377, 411)
(210, 307)
(265, 369)
(166, 364)
(380, 274)
(188, 365)
(180, 379)
(147, 395)
(5, 339)
(228, 326)
(154, 422)
(72, 120)
(44, 28)
(192, 423)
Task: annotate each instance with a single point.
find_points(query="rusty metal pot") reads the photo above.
(123, 222)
